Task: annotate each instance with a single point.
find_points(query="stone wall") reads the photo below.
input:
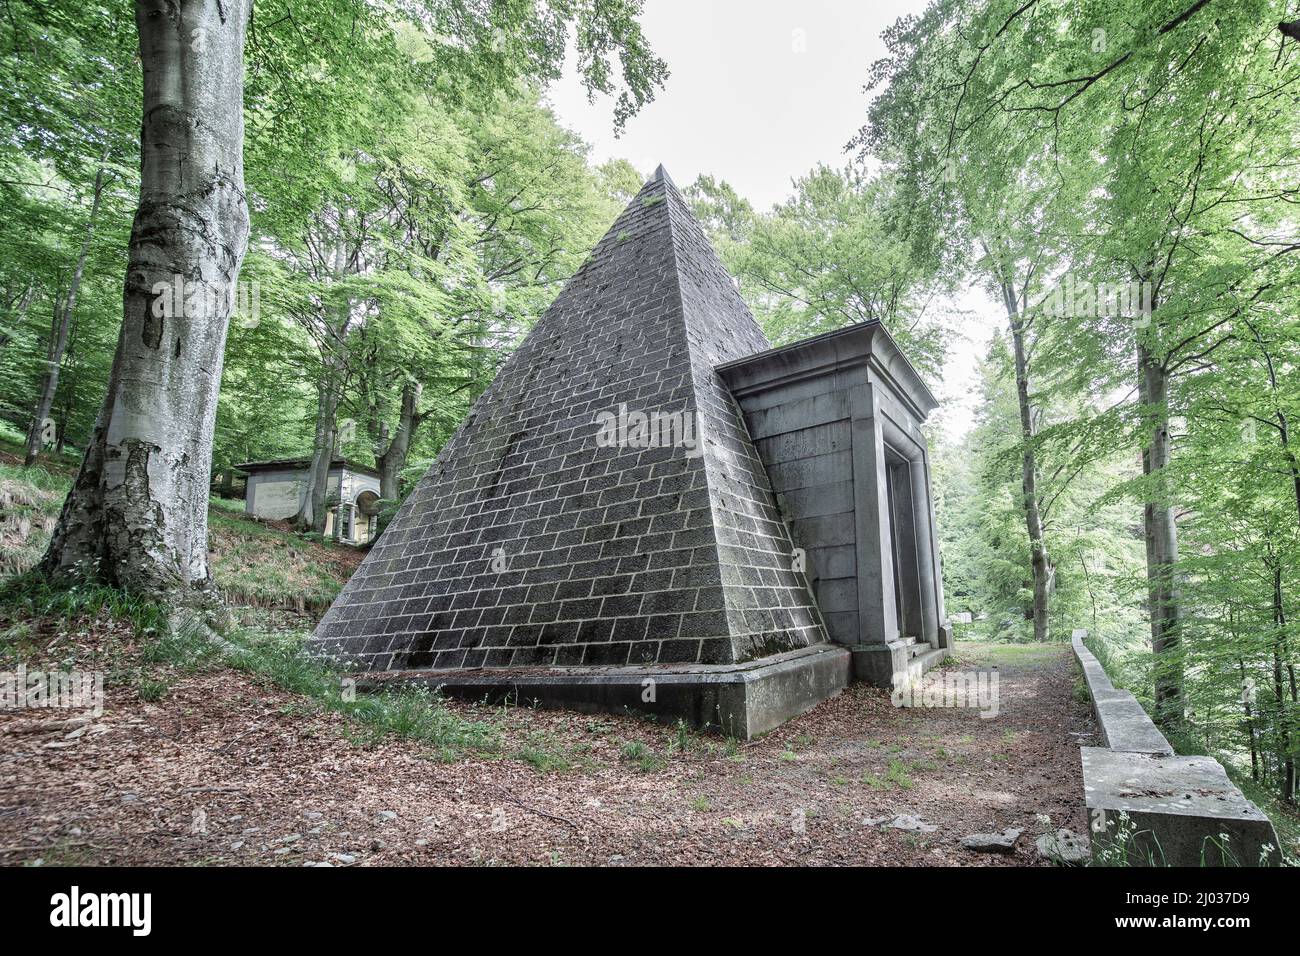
(808, 447)
(1153, 808)
(278, 494)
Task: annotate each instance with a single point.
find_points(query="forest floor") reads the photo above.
(250, 755)
(222, 767)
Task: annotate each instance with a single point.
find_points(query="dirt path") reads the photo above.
(223, 770)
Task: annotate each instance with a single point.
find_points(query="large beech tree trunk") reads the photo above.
(136, 517)
(63, 310)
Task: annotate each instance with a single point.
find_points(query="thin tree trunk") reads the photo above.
(1285, 756)
(393, 460)
(1280, 416)
(36, 433)
(1250, 721)
(1042, 568)
(69, 393)
(19, 314)
(1161, 533)
(1294, 709)
(313, 511)
(136, 517)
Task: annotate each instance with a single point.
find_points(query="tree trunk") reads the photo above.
(1291, 719)
(393, 460)
(136, 517)
(312, 512)
(1285, 755)
(1161, 533)
(25, 301)
(1250, 721)
(69, 386)
(1280, 417)
(1039, 560)
(36, 434)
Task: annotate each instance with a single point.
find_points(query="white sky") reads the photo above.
(760, 92)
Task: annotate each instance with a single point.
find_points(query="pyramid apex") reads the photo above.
(661, 176)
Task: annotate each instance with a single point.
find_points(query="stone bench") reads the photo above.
(1153, 807)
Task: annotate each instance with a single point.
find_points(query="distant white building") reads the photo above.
(276, 490)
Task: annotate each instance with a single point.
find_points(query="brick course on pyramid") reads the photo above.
(535, 540)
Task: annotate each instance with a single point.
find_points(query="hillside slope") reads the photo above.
(259, 565)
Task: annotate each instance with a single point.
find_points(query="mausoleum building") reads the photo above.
(652, 508)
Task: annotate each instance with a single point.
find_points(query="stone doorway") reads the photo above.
(903, 546)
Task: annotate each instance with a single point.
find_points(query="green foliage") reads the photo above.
(1047, 146)
(826, 258)
(402, 172)
(1095, 545)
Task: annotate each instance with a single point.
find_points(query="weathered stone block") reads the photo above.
(1149, 807)
(1155, 810)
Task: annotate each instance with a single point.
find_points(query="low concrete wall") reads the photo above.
(1124, 724)
(1156, 808)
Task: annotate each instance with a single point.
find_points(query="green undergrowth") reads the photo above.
(998, 654)
(30, 499)
(271, 658)
(254, 564)
(29, 596)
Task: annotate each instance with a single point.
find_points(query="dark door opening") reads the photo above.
(902, 541)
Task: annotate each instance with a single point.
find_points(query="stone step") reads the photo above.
(929, 657)
(918, 664)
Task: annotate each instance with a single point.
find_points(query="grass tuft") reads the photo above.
(640, 753)
(31, 596)
(409, 713)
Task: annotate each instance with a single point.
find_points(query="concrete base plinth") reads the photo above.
(740, 700)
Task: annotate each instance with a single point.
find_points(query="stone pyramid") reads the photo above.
(602, 504)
